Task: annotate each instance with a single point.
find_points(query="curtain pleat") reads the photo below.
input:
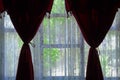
(93, 67)
(25, 67)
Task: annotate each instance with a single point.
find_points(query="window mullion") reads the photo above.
(41, 52)
(82, 56)
(66, 40)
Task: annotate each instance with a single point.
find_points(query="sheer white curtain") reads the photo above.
(1, 47)
(59, 51)
(12, 46)
(110, 51)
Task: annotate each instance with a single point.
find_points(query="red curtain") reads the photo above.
(1, 6)
(26, 16)
(94, 18)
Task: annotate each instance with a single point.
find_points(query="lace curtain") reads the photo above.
(110, 49)
(59, 51)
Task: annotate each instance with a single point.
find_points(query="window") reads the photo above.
(59, 51)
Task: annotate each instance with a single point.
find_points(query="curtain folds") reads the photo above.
(26, 16)
(94, 21)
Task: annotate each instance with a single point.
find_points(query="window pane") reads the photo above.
(59, 30)
(61, 61)
(58, 7)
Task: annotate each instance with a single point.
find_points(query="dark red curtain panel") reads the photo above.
(94, 18)
(1, 6)
(26, 16)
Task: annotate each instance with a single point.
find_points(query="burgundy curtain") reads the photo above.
(94, 18)
(1, 6)
(26, 16)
